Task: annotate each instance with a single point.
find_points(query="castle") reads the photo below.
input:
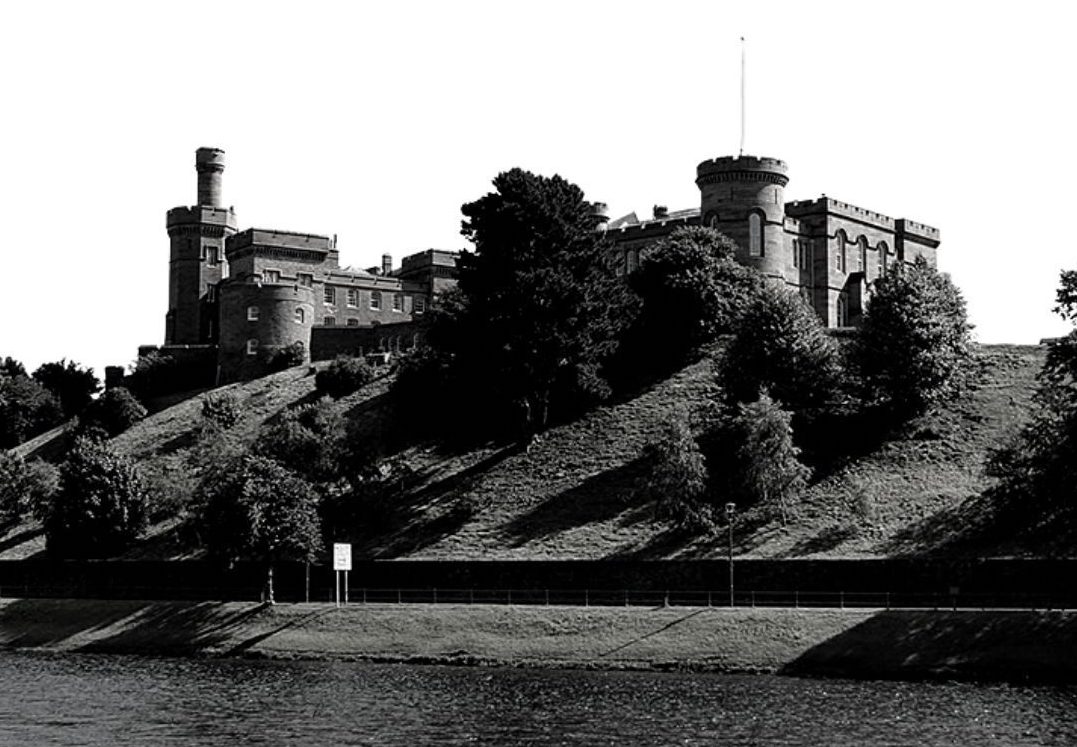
(237, 298)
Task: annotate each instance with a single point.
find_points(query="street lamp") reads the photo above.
(730, 509)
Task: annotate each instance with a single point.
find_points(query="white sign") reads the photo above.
(342, 556)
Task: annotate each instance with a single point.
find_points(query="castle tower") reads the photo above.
(196, 257)
(743, 197)
(260, 320)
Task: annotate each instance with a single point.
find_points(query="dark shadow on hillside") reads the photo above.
(599, 498)
(827, 539)
(1014, 646)
(830, 439)
(184, 440)
(20, 537)
(177, 628)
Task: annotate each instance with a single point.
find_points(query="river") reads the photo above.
(86, 699)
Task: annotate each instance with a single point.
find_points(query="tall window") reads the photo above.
(843, 313)
(631, 260)
(329, 294)
(375, 300)
(884, 259)
(418, 305)
(213, 255)
(755, 235)
(398, 302)
(272, 276)
(353, 298)
(300, 315)
(252, 313)
(862, 255)
(839, 252)
(252, 347)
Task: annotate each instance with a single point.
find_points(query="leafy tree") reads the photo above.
(677, 478)
(913, 340)
(691, 289)
(541, 306)
(769, 469)
(252, 507)
(289, 356)
(346, 374)
(23, 485)
(101, 505)
(781, 347)
(306, 440)
(26, 409)
(113, 412)
(73, 385)
(11, 367)
(1037, 467)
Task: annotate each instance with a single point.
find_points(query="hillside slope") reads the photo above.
(575, 494)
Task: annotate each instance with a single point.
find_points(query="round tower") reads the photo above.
(744, 198)
(209, 162)
(258, 320)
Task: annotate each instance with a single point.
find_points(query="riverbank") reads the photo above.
(879, 644)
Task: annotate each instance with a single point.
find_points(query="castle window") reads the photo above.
(884, 251)
(211, 293)
(329, 294)
(353, 298)
(862, 254)
(305, 279)
(300, 315)
(418, 305)
(272, 276)
(398, 302)
(252, 313)
(329, 321)
(252, 347)
(213, 255)
(839, 254)
(375, 300)
(632, 260)
(755, 235)
(353, 322)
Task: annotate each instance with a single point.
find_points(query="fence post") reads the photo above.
(708, 599)
(841, 600)
(547, 597)
(510, 597)
(364, 595)
(626, 597)
(887, 600)
(435, 595)
(796, 599)
(398, 599)
(586, 598)
(753, 599)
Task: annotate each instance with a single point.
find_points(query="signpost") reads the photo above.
(342, 561)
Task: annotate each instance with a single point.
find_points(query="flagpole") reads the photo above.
(742, 96)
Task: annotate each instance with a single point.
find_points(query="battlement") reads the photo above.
(743, 169)
(906, 226)
(280, 239)
(179, 216)
(830, 206)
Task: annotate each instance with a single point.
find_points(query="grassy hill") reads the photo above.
(574, 495)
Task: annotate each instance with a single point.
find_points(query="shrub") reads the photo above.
(101, 505)
(73, 385)
(24, 485)
(288, 356)
(221, 410)
(770, 472)
(113, 412)
(346, 374)
(306, 440)
(26, 409)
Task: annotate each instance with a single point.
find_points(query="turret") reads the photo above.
(743, 197)
(209, 162)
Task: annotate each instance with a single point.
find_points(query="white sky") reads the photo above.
(377, 121)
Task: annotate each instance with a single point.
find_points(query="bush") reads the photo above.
(221, 410)
(677, 478)
(101, 505)
(156, 374)
(346, 374)
(770, 472)
(306, 440)
(73, 385)
(288, 356)
(113, 412)
(26, 409)
(24, 486)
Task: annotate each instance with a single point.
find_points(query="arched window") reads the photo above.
(884, 258)
(632, 260)
(755, 235)
(252, 313)
(300, 315)
(843, 311)
(862, 255)
(839, 252)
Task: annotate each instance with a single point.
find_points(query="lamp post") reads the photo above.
(730, 509)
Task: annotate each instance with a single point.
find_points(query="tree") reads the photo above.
(542, 307)
(692, 289)
(306, 440)
(101, 506)
(113, 412)
(26, 409)
(677, 478)
(780, 347)
(73, 385)
(913, 340)
(252, 507)
(221, 411)
(768, 462)
(11, 367)
(23, 485)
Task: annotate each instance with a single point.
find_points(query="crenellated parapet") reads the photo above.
(741, 169)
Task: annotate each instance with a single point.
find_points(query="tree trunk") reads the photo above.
(270, 598)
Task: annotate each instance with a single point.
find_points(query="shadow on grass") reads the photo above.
(20, 537)
(599, 498)
(827, 539)
(185, 440)
(1013, 646)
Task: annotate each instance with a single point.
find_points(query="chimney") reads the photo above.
(386, 264)
(660, 211)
